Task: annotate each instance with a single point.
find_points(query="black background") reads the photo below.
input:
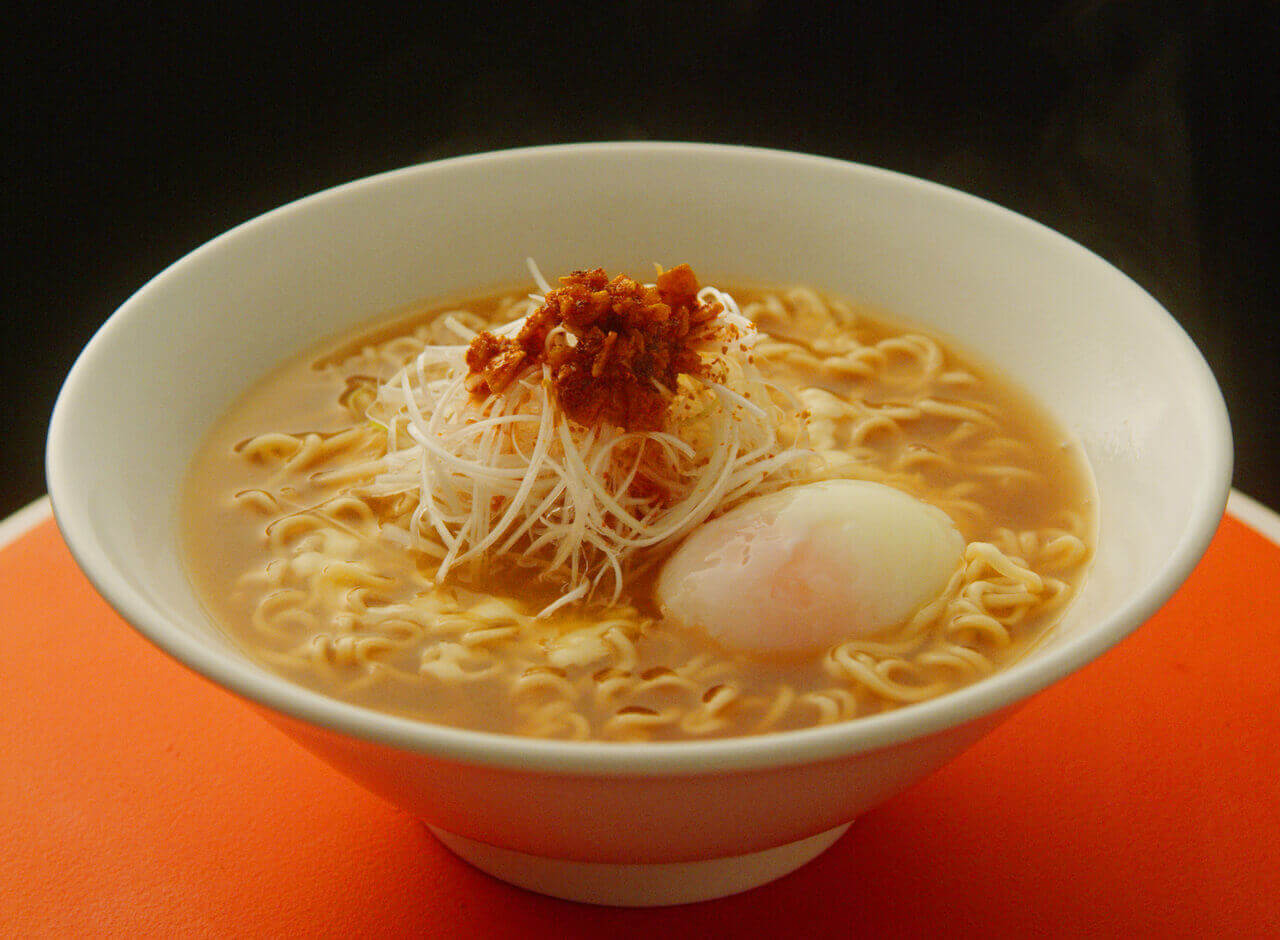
(1144, 130)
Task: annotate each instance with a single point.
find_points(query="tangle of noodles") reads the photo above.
(314, 549)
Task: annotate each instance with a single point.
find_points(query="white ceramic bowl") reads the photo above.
(648, 823)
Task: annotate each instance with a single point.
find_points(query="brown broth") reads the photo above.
(659, 670)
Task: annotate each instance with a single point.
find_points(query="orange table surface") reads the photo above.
(1139, 797)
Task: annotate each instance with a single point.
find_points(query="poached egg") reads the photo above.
(811, 566)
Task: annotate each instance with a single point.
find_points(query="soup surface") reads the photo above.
(288, 546)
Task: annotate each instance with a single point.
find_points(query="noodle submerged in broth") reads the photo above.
(461, 516)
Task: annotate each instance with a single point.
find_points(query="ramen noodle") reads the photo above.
(379, 521)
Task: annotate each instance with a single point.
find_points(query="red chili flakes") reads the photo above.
(629, 346)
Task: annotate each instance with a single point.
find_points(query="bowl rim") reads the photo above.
(775, 750)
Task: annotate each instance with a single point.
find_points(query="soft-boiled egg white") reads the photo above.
(810, 566)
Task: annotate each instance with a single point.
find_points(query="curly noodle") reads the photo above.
(333, 601)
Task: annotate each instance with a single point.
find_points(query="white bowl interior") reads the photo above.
(1076, 333)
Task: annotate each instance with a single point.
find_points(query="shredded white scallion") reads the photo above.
(512, 475)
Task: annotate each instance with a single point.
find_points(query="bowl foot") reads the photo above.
(644, 885)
